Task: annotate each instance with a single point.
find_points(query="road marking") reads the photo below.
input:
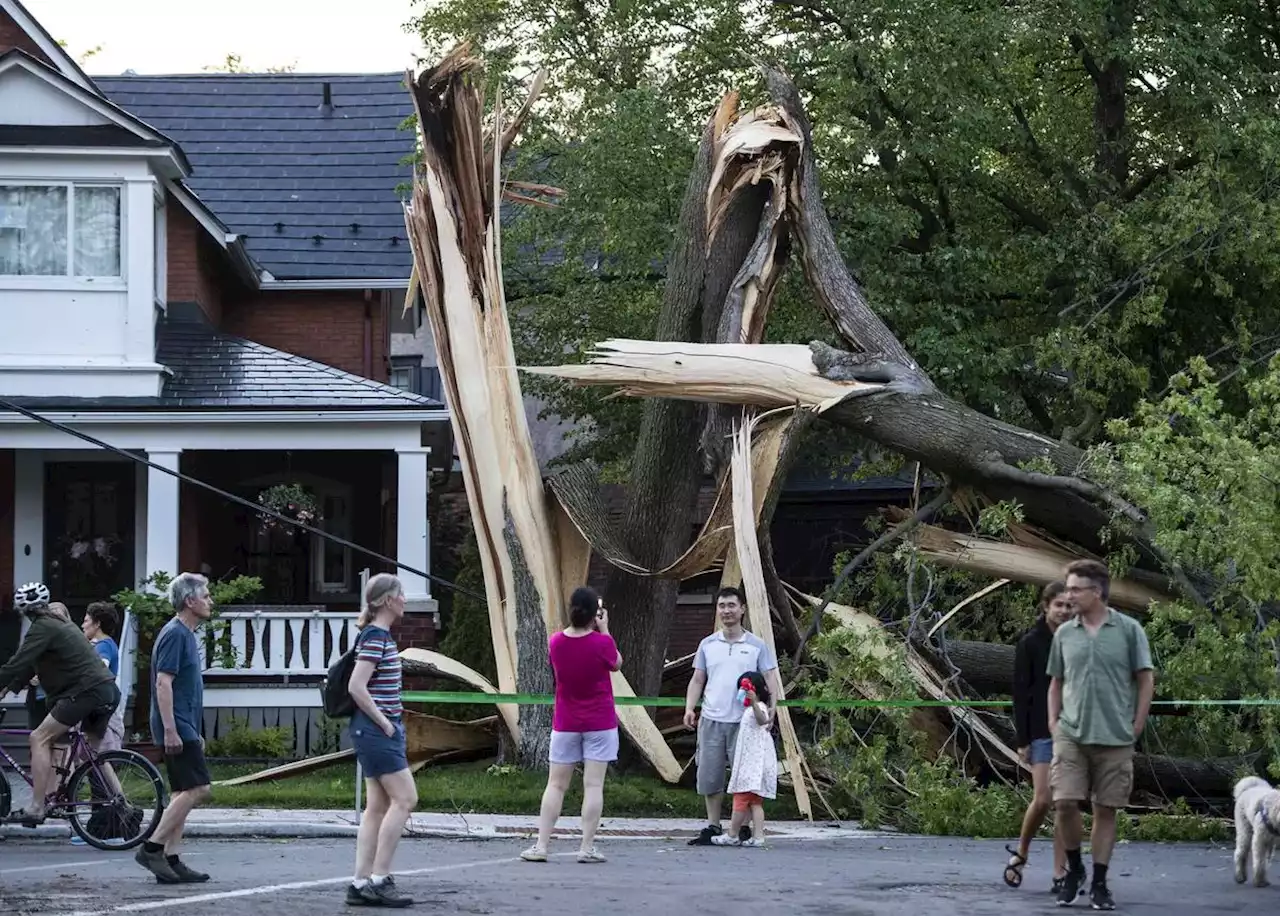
(86, 864)
(277, 888)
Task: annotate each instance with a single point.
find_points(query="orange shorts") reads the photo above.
(744, 801)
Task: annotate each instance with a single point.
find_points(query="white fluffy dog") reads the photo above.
(1257, 827)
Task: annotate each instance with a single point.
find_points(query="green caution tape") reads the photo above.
(543, 699)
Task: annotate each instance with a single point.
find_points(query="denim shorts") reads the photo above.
(1041, 751)
(378, 754)
(575, 747)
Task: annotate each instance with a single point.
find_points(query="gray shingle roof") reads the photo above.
(212, 370)
(313, 192)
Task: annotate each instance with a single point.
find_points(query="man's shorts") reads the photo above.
(575, 747)
(717, 742)
(187, 769)
(91, 710)
(1100, 772)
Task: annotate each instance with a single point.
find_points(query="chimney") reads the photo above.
(326, 104)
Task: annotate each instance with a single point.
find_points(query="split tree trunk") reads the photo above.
(667, 467)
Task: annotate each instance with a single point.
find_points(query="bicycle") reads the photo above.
(106, 817)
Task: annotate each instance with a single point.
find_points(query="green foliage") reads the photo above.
(1035, 271)
(943, 801)
(151, 608)
(244, 741)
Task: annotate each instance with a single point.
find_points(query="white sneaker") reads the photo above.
(753, 843)
(723, 839)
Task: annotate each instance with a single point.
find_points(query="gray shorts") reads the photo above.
(716, 744)
(575, 747)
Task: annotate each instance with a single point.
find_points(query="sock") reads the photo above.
(1099, 874)
(377, 879)
(173, 860)
(358, 883)
(152, 847)
(1073, 861)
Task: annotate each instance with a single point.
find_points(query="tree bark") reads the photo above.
(533, 667)
(666, 468)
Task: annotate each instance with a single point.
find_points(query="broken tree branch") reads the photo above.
(893, 534)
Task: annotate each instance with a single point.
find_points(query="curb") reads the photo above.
(248, 829)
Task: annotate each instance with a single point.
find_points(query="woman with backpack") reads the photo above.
(377, 734)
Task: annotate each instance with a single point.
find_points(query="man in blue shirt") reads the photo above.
(177, 712)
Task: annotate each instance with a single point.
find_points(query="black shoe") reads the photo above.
(744, 833)
(1100, 898)
(355, 896)
(186, 874)
(1057, 886)
(704, 837)
(385, 894)
(158, 865)
(1070, 888)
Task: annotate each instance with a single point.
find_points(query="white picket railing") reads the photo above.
(277, 643)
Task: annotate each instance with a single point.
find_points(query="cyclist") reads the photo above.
(79, 688)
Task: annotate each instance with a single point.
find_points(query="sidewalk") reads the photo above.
(262, 822)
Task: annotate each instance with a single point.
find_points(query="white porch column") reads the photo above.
(413, 540)
(162, 513)
(139, 270)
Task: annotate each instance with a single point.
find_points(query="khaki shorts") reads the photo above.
(1094, 771)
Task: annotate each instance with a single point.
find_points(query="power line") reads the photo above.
(186, 478)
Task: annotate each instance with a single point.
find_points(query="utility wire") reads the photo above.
(186, 478)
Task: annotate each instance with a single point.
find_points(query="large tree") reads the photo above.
(1052, 209)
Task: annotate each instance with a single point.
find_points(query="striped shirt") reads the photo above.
(377, 647)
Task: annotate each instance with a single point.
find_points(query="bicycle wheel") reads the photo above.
(107, 819)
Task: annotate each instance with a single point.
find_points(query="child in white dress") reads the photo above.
(755, 766)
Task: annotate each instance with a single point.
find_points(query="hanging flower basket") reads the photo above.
(291, 500)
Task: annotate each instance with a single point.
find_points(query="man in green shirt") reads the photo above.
(1099, 696)
(79, 687)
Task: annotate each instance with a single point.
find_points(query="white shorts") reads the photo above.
(575, 747)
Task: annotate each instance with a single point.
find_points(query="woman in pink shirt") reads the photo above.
(584, 727)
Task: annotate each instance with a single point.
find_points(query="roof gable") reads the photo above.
(33, 94)
(16, 24)
(312, 187)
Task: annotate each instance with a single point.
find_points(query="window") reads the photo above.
(330, 561)
(60, 230)
(402, 377)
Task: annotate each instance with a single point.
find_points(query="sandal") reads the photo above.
(1013, 871)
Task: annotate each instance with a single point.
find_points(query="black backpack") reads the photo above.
(335, 692)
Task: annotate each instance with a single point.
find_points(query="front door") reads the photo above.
(88, 531)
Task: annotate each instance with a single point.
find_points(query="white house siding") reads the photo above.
(78, 337)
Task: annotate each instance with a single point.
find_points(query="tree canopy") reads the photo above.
(1054, 207)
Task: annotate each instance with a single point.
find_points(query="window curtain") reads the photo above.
(97, 232)
(33, 231)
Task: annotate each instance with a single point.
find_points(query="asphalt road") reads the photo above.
(854, 877)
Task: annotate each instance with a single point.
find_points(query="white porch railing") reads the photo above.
(276, 643)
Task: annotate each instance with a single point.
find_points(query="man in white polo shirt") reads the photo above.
(722, 659)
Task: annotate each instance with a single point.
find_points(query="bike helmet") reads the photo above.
(33, 594)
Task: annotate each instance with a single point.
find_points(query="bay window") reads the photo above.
(60, 230)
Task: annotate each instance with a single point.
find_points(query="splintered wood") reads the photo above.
(455, 233)
(747, 547)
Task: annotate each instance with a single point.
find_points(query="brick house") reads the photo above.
(207, 271)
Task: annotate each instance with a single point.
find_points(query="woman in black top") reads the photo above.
(1031, 721)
